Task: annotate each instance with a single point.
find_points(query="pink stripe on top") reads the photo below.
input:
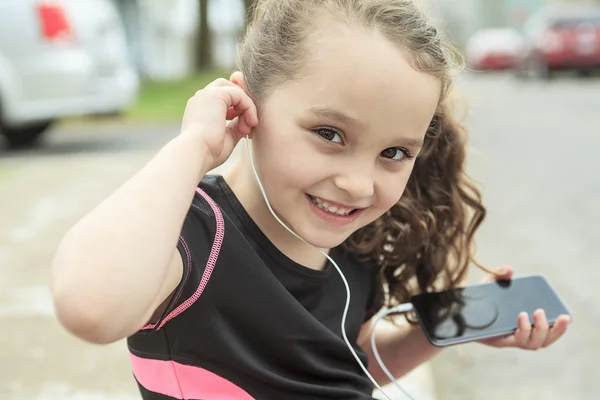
(184, 381)
(210, 264)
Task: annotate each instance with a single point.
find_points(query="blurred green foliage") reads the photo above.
(165, 101)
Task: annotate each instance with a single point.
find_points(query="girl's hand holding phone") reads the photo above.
(219, 116)
(528, 337)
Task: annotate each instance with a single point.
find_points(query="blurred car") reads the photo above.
(60, 59)
(493, 49)
(561, 37)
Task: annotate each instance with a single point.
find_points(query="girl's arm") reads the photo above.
(119, 263)
(402, 349)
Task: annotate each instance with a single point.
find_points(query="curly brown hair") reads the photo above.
(425, 241)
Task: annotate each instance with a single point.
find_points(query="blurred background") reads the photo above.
(91, 89)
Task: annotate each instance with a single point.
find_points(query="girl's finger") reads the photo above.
(220, 82)
(235, 98)
(503, 341)
(523, 331)
(505, 272)
(231, 113)
(237, 129)
(559, 328)
(247, 117)
(540, 330)
(252, 117)
(242, 104)
(243, 127)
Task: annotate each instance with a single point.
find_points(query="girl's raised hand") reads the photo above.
(528, 337)
(219, 116)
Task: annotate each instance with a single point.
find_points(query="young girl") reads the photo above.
(345, 104)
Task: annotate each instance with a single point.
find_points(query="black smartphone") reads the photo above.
(484, 310)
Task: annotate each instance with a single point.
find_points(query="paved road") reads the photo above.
(42, 193)
(534, 148)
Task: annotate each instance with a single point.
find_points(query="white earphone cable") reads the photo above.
(400, 308)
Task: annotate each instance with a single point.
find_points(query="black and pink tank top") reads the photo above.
(247, 322)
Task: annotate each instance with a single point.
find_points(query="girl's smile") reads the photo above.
(333, 213)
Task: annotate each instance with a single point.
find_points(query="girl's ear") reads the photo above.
(237, 78)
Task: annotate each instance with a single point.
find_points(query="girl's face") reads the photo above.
(335, 148)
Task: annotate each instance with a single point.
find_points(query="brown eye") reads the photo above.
(394, 153)
(329, 135)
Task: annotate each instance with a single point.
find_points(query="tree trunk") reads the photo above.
(204, 59)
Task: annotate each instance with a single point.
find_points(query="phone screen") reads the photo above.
(484, 310)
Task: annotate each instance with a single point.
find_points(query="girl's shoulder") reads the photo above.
(212, 198)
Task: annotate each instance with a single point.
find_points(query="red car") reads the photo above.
(559, 38)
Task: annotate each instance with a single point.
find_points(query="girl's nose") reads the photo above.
(357, 183)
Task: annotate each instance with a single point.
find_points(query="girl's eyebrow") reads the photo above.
(335, 115)
(415, 144)
(338, 116)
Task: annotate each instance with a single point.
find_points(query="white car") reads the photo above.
(494, 49)
(59, 59)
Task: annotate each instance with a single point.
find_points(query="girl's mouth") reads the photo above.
(332, 209)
